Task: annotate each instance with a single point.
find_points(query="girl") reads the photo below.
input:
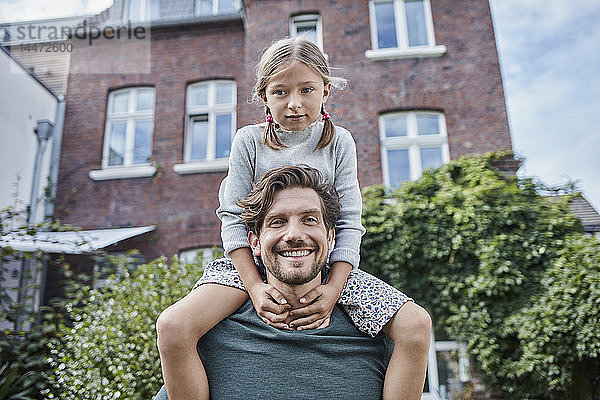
(294, 82)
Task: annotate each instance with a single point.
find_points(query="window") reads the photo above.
(402, 28)
(210, 124)
(453, 368)
(143, 10)
(104, 267)
(216, 7)
(308, 26)
(411, 142)
(128, 135)
(447, 370)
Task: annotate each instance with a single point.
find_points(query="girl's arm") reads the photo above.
(349, 229)
(267, 301)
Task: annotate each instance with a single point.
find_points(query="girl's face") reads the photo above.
(295, 96)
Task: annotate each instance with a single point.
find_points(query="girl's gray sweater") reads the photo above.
(250, 159)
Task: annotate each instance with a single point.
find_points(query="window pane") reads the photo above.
(386, 25)
(199, 138)
(307, 31)
(116, 151)
(224, 93)
(448, 373)
(428, 124)
(395, 126)
(134, 10)
(145, 100)
(431, 157)
(415, 23)
(152, 10)
(199, 95)
(142, 144)
(223, 142)
(120, 102)
(226, 6)
(206, 7)
(398, 167)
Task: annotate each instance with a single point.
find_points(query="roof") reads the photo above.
(72, 242)
(582, 209)
(28, 71)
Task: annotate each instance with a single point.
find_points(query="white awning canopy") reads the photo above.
(72, 242)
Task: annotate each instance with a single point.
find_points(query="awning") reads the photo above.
(72, 242)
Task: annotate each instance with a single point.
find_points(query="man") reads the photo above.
(290, 216)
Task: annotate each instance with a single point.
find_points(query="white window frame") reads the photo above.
(215, 7)
(412, 142)
(127, 169)
(432, 366)
(211, 163)
(307, 20)
(403, 50)
(433, 381)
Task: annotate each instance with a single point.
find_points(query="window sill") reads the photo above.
(134, 171)
(195, 167)
(411, 52)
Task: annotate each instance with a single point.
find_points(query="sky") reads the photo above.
(550, 61)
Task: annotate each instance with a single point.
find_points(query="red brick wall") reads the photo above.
(182, 206)
(464, 83)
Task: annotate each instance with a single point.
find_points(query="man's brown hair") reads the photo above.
(260, 199)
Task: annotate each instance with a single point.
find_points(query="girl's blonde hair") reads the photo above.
(285, 52)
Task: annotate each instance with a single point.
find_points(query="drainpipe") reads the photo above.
(55, 158)
(43, 132)
(53, 175)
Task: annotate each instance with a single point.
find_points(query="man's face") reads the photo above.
(293, 243)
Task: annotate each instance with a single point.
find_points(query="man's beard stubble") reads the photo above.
(294, 278)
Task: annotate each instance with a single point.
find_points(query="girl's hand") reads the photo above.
(317, 312)
(270, 305)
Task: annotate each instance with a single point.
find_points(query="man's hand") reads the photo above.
(317, 312)
(270, 305)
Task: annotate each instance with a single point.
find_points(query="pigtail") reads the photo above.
(269, 136)
(328, 132)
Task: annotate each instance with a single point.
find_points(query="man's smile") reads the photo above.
(295, 253)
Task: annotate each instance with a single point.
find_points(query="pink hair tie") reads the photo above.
(325, 116)
(269, 118)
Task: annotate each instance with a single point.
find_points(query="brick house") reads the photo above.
(148, 125)
(408, 106)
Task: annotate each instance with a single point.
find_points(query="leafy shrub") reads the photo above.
(25, 334)
(560, 330)
(478, 248)
(109, 351)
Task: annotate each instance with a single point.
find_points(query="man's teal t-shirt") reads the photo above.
(245, 358)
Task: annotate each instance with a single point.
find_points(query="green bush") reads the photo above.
(26, 334)
(109, 351)
(560, 330)
(478, 248)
